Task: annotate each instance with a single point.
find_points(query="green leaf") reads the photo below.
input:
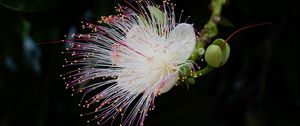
(226, 22)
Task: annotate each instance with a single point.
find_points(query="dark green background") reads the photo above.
(259, 85)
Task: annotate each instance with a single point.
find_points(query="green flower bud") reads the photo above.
(225, 52)
(213, 56)
(217, 53)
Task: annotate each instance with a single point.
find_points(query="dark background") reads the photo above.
(258, 86)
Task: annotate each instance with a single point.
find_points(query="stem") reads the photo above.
(217, 7)
(245, 28)
(203, 71)
(210, 30)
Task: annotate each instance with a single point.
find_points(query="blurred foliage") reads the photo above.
(258, 86)
(28, 5)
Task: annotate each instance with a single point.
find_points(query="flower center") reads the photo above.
(156, 71)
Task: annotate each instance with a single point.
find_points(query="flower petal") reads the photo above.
(169, 84)
(183, 41)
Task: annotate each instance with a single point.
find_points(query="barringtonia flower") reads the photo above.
(129, 60)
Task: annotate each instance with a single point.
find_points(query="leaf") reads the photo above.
(226, 22)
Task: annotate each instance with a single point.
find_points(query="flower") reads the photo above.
(129, 60)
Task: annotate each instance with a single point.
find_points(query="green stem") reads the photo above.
(210, 30)
(217, 7)
(203, 71)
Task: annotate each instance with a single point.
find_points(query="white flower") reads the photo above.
(129, 61)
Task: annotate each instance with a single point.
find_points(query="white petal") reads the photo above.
(170, 83)
(183, 41)
(143, 39)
